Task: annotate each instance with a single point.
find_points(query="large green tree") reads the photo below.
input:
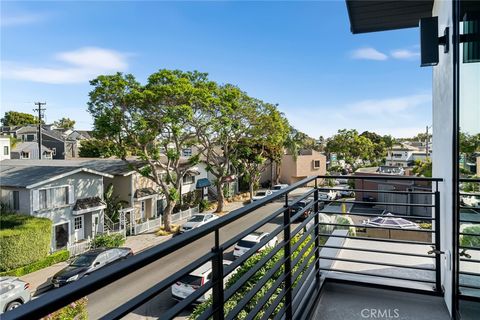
(155, 122)
(14, 118)
(350, 146)
(96, 148)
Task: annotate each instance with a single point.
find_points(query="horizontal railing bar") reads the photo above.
(377, 239)
(377, 275)
(380, 251)
(470, 260)
(470, 248)
(299, 256)
(377, 191)
(375, 227)
(281, 313)
(468, 286)
(261, 304)
(469, 234)
(470, 221)
(252, 292)
(302, 211)
(206, 314)
(302, 239)
(301, 197)
(376, 215)
(469, 208)
(153, 291)
(302, 268)
(377, 203)
(467, 297)
(377, 263)
(251, 229)
(397, 178)
(467, 273)
(247, 275)
(469, 180)
(303, 279)
(302, 225)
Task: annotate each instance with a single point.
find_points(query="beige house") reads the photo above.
(307, 163)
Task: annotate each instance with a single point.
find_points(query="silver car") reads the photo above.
(13, 293)
(197, 220)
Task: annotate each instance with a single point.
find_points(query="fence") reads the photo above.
(147, 225)
(182, 215)
(79, 247)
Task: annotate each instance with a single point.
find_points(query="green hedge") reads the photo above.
(471, 240)
(50, 260)
(108, 241)
(76, 310)
(245, 267)
(23, 240)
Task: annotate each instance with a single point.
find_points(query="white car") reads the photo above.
(261, 194)
(197, 220)
(13, 293)
(279, 187)
(345, 191)
(251, 240)
(327, 195)
(194, 280)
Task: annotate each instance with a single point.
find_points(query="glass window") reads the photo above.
(316, 163)
(78, 223)
(42, 201)
(187, 179)
(16, 200)
(24, 155)
(5, 151)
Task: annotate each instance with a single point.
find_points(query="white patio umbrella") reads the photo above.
(389, 220)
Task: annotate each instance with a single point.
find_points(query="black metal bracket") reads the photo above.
(443, 40)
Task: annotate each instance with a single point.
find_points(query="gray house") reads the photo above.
(71, 197)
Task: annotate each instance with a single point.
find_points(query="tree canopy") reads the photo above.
(65, 123)
(14, 118)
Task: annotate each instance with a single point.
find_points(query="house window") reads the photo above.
(188, 179)
(187, 152)
(316, 164)
(24, 155)
(53, 197)
(78, 223)
(5, 151)
(54, 151)
(16, 200)
(30, 137)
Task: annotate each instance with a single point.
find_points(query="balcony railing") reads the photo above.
(323, 245)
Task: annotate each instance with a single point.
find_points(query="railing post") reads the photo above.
(287, 254)
(438, 252)
(217, 278)
(317, 231)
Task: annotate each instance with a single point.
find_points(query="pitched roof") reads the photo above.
(29, 147)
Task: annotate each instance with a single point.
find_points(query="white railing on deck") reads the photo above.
(147, 225)
(79, 247)
(183, 215)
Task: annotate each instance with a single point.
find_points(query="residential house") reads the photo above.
(5, 147)
(404, 155)
(72, 197)
(306, 163)
(29, 150)
(73, 141)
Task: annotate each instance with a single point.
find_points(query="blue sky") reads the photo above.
(300, 55)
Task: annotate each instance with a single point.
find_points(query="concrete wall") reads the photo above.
(6, 196)
(295, 170)
(442, 141)
(4, 142)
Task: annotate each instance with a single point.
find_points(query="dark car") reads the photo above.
(89, 262)
(297, 207)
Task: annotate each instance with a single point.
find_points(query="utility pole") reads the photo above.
(426, 144)
(40, 116)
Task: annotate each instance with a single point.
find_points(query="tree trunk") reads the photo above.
(278, 168)
(220, 197)
(250, 185)
(167, 215)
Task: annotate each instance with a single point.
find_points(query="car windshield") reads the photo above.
(277, 187)
(191, 280)
(83, 260)
(196, 219)
(246, 244)
(260, 193)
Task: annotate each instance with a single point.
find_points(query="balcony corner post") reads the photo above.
(287, 254)
(316, 231)
(438, 269)
(217, 279)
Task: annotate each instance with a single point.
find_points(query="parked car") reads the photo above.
(251, 240)
(302, 204)
(326, 195)
(261, 194)
(345, 191)
(13, 293)
(197, 220)
(279, 187)
(194, 280)
(470, 200)
(88, 262)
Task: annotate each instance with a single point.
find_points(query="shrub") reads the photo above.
(245, 267)
(425, 225)
(471, 240)
(23, 240)
(50, 260)
(76, 310)
(346, 221)
(108, 241)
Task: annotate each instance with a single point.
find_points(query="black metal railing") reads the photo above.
(292, 270)
(469, 240)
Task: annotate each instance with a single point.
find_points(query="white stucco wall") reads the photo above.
(4, 142)
(442, 140)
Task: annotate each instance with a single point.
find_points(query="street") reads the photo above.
(113, 295)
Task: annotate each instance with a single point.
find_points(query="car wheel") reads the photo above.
(13, 305)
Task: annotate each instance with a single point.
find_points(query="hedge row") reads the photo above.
(50, 260)
(23, 240)
(113, 240)
(76, 310)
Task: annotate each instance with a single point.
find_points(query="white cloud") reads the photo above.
(21, 19)
(77, 66)
(368, 54)
(404, 54)
(399, 116)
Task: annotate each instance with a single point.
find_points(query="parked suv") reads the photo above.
(88, 262)
(194, 280)
(302, 204)
(13, 293)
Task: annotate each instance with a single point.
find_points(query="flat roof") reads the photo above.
(380, 15)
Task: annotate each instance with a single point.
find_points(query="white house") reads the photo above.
(5, 147)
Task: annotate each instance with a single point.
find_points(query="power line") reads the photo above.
(40, 116)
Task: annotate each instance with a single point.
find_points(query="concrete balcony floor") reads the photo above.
(338, 301)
